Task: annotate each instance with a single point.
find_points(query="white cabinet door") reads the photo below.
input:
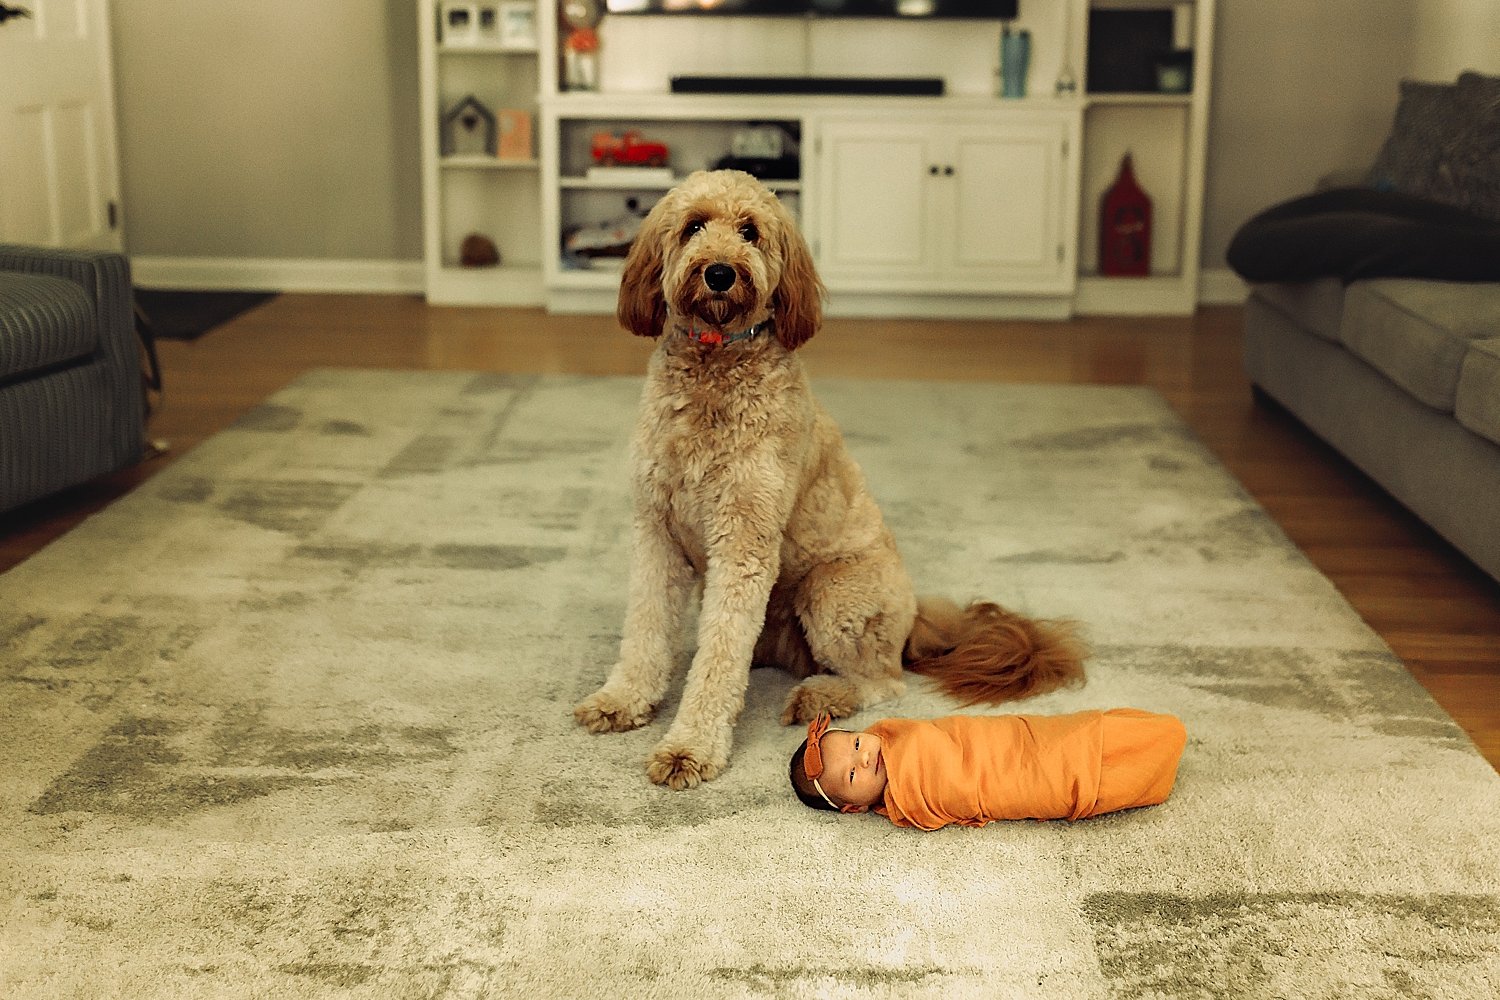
(874, 224)
(964, 203)
(1006, 208)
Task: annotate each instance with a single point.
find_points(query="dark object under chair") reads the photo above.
(188, 315)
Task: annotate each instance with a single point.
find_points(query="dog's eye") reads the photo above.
(749, 232)
(692, 229)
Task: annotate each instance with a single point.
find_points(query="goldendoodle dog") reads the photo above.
(743, 488)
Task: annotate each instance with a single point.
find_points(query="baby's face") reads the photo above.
(853, 769)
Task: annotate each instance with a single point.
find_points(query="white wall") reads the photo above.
(1300, 89)
(1303, 89)
(288, 128)
(1454, 35)
(271, 129)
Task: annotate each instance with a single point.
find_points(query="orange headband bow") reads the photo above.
(812, 757)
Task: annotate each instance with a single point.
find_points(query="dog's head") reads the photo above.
(721, 248)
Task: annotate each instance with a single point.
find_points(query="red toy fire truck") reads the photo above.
(628, 150)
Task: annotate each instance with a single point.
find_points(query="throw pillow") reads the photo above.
(1475, 166)
(1445, 144)
(1428, 115)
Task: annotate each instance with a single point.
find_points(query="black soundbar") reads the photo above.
(885, 86)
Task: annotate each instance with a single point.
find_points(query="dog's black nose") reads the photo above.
(719, 277)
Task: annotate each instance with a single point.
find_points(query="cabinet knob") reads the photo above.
(933, 170)
(947, 171)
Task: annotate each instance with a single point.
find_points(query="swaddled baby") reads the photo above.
(972, 770)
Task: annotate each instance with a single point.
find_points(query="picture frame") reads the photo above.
(517, 24)
(458, 22)
(489, 25)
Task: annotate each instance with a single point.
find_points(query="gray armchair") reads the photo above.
(71, 405)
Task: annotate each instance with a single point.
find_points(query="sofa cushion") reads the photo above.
(44, 321)
(1477, 404)
(1416, 333)
(1313, 305)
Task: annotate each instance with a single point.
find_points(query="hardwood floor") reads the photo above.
(1435, 609)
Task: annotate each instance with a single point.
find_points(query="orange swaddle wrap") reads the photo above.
(974, 769)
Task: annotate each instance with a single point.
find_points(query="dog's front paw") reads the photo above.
(820, 695)
(607, 711)
(680, 767)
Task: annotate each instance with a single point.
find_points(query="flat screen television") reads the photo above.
(991, 10)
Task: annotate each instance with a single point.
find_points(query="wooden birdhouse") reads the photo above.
(468, 129)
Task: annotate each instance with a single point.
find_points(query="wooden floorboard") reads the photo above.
(1433, 607)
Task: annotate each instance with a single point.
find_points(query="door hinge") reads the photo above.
(114, 215)
(1065, 149)
(1060, 253)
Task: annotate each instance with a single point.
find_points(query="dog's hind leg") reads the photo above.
(661, 583)
(782, 643)
(856, 615)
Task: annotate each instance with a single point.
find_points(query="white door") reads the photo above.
(875, 225)
(59, 173)
(1008, 208)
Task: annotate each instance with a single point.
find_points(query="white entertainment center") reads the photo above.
(960, 205)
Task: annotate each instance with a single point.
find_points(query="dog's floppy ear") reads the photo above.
(642, 308)
(798, 303)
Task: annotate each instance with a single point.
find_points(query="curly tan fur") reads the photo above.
(742, 486)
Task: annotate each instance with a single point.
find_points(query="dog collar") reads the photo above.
(709, 335)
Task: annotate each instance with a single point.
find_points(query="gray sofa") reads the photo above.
(71, 403)
(1374, 316)
(1402, 376)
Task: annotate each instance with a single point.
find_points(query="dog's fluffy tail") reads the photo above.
(984, 654)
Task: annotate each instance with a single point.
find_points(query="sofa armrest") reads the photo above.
(104, 275)
(105, 278)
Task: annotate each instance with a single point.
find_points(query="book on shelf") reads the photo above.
(515, 134)
(632, 175)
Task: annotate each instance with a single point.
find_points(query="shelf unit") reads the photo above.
(696, 128)
(532, 204)
(474, 192)
(1167, 138)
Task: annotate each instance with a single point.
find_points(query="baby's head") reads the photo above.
(837, 769)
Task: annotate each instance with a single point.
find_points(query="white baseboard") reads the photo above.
(1220, 286)
(279, 274)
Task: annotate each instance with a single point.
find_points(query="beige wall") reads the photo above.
(270, 129)
(1300, 89)
(1454, 35)
(288, 128)
(1305, 88)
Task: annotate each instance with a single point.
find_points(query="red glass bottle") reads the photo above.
(1125, 226)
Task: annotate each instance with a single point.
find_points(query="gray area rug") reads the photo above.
(293, 720)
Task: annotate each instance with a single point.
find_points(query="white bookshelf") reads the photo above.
(531, 203)
(473, 192)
